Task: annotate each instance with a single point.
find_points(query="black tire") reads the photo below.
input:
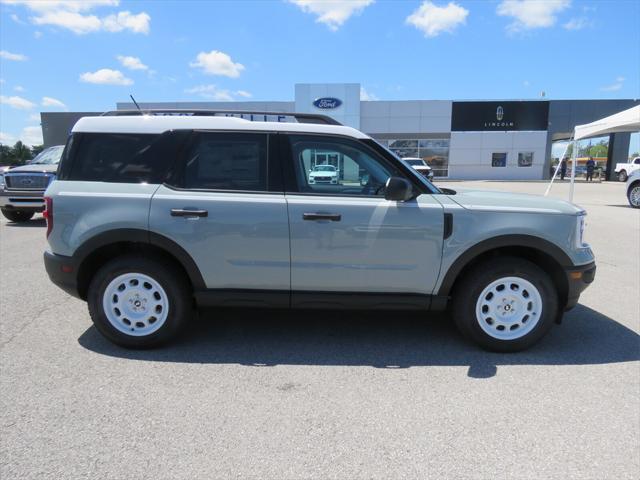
(633, 187)
(17, 216)
(622, 176)
(467, 293)
(171, 279)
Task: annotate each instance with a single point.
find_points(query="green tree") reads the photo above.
(36, 149)
(21, 153)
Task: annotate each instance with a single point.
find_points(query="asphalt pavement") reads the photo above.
(296, 395)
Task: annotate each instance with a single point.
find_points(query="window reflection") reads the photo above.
(434, 151)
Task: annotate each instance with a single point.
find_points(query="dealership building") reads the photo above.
(498, 139)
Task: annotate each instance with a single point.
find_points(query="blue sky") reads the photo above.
(86, 56)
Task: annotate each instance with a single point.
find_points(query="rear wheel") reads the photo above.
(622, 176)
(139, 302)
(17, 215)
(633, 195)
(506, 304)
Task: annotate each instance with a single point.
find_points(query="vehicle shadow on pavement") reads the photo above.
(263, 338)
(36, 222)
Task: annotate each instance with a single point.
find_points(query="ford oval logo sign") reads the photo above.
(327, 103)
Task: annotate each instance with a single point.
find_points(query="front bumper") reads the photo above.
(578, 279)
(63, 272)
(22, 200)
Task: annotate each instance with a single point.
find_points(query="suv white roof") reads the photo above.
(162, 123)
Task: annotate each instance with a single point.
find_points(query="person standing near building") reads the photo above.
(563, 168)
(591, 166)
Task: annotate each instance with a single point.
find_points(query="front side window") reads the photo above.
(335, 166)
(525, 159)
(499, 159)
(226, 161)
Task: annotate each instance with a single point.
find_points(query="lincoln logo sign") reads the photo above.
(499, 114)
(327, 103)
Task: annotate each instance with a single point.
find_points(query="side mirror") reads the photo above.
(398, 189)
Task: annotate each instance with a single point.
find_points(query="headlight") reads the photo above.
(581, 222)
(1, 180)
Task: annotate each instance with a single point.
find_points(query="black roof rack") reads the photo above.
(300, 117)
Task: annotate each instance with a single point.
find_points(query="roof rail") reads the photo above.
(300, 117)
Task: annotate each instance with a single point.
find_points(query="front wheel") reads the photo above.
(17, 216)
(506, 304)
(622, 176)
(139, 302)
(633, 195)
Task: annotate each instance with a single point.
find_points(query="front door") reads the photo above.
(347, 237)
(224, 212)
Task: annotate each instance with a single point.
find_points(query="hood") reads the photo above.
(35, 169)
(512, 202)
(322, 174)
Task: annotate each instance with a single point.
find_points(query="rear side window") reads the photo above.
(120, 158)
(226, 161)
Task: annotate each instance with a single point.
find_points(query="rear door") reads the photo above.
(225, 206)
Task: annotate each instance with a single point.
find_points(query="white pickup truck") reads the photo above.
(625, 169)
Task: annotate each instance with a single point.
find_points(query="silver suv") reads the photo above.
(154, 215)
(22, 188)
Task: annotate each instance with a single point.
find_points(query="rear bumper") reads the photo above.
(578, 279)
(63, 272)
(22, 200)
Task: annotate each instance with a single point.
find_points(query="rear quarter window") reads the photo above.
(120, 157)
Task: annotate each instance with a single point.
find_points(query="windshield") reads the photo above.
(325, 168)
(414, 162)
(50, 156)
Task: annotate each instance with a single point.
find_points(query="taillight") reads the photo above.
(48, 214)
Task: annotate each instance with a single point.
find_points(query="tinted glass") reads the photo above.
(525, 159)
(499, 159)
(113, 157)
(223, 161)
(327, 165)
(50, 156)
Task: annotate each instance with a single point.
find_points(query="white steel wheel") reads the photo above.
(135, 304)
(509, 308)
(634, 196)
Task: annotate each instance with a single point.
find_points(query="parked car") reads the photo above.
(625, 169)
(152, 215)
(633, 189)
(323, 174)
(22, 188)
(420, 166)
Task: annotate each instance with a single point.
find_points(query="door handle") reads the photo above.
(334, 217)
(187, 212)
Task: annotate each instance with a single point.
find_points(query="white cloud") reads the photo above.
(16, 57)
(73, 16)
(577, 24)
(7, 138)
(366, 96)
(17, 102)
(19, 88)
(212, 92)
(31, 135)
(531, 14)
(16, 19)
(333, 13)
(433, 20)
(127, 21)
(70, 5)
(106, 76)
(615, 86)
(244, 93)
(34, 117)
(217, 63)
(132, 63)
(52, 102)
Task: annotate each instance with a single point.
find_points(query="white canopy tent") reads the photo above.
(622, 122)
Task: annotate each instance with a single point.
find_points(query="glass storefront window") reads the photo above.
(499, 159)
(434, 151)
(525, 159)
